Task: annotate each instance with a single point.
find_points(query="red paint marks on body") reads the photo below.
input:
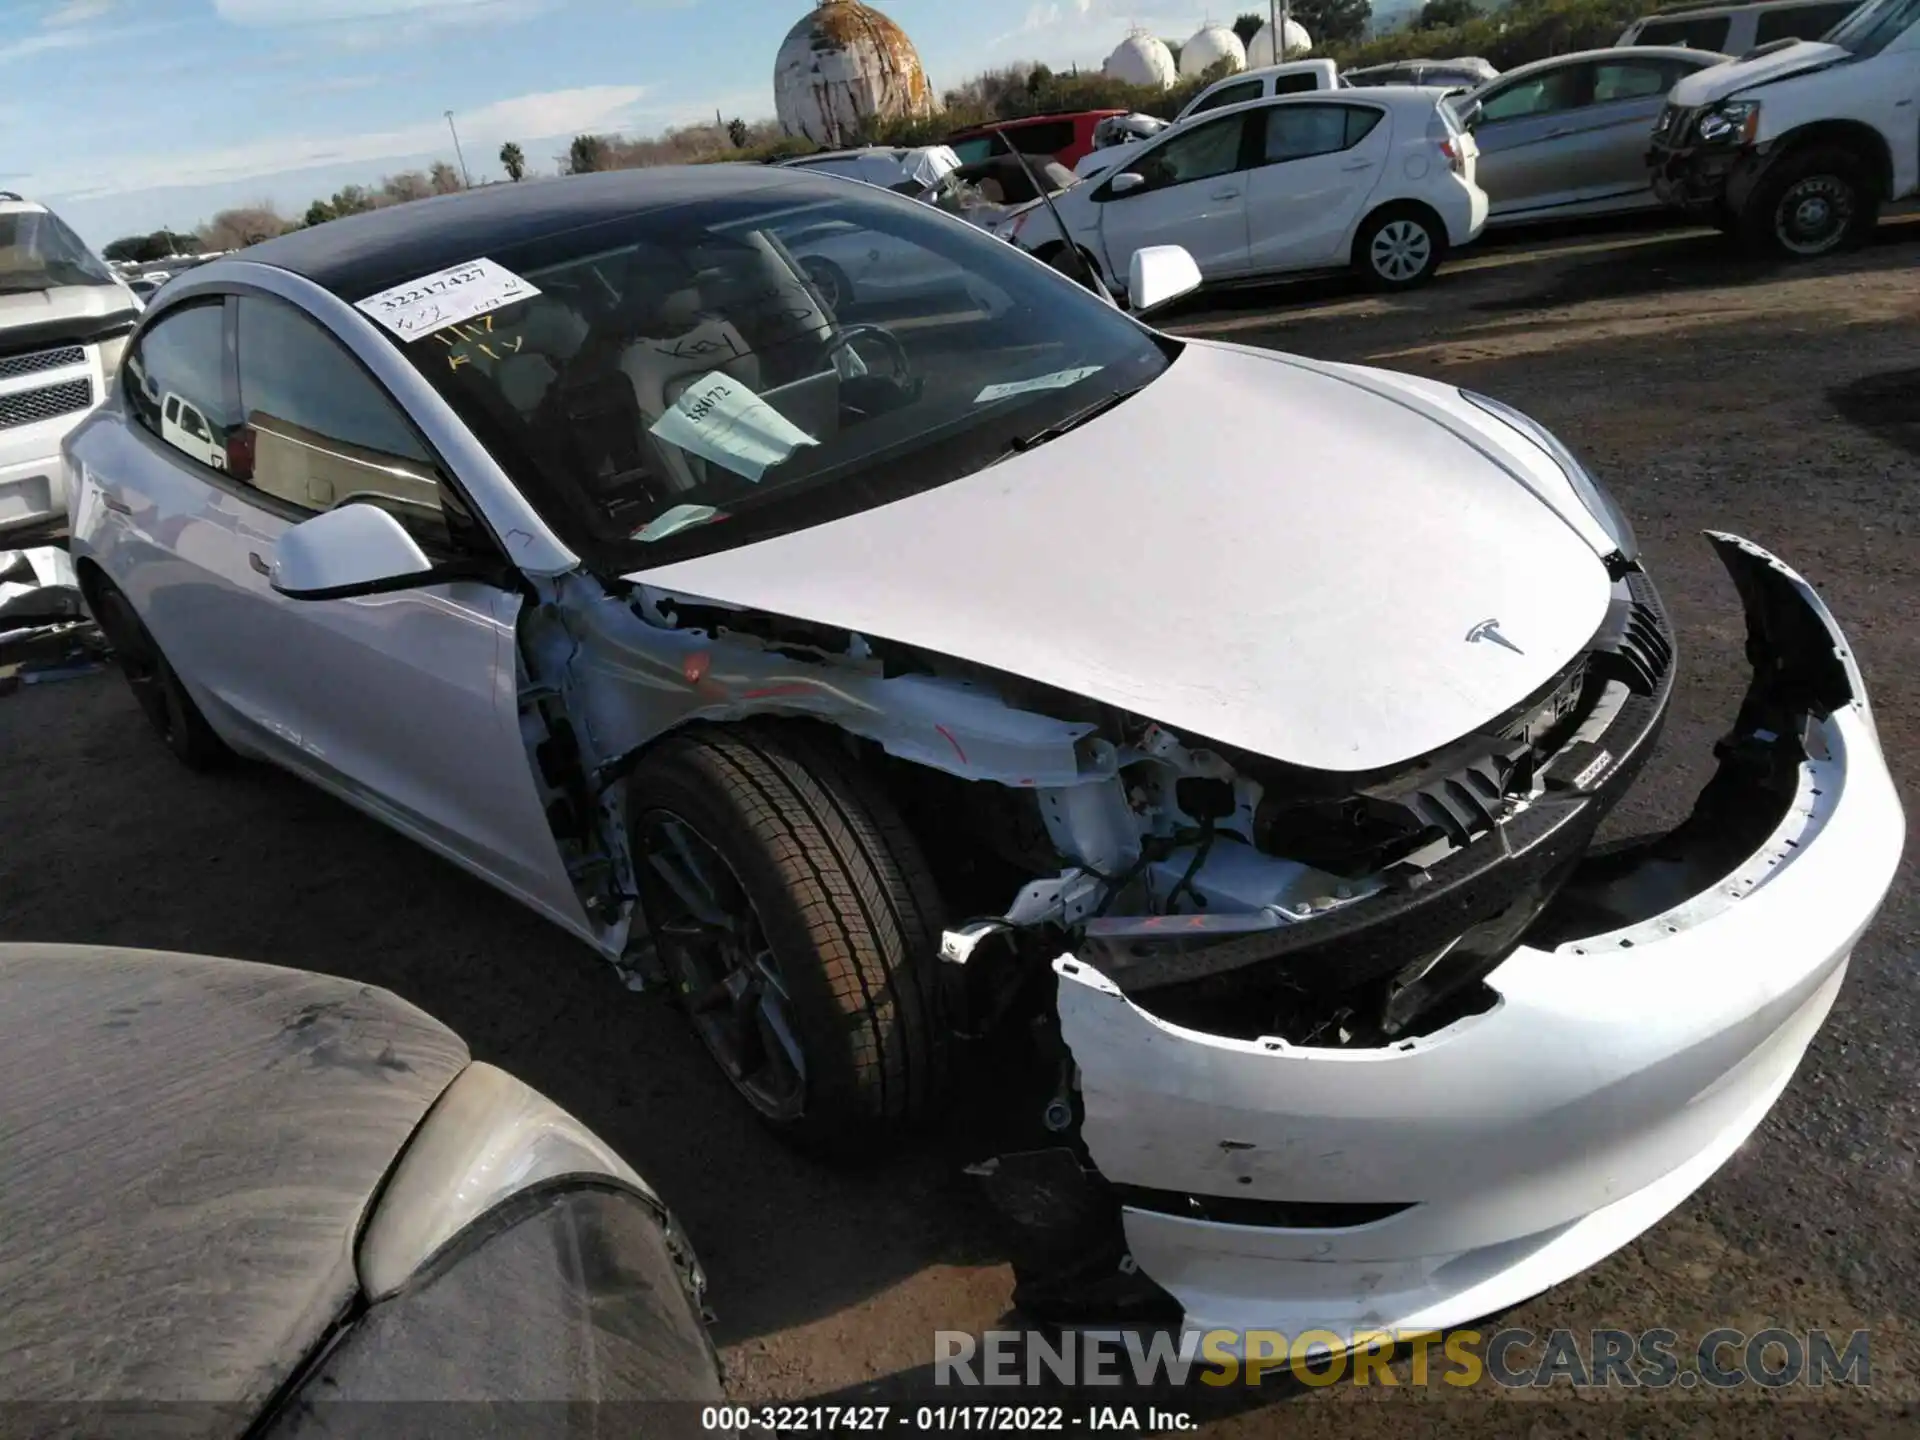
(948, 734)
(694, 667)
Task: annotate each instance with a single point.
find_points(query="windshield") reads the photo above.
(694, 378)
(1874, 26)
(38, 252)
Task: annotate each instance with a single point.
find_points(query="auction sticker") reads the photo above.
(446, 297)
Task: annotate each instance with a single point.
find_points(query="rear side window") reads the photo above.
(1042, 139)
(1296, 132)
(1706, 32)
(176, 383)
(1798, 22)
(1543, 94)
(1295, 84)
(1228, 95)
(322, 432)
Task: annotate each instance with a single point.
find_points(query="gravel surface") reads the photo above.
(1780, 404)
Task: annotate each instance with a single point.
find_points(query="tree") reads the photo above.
(318, 213)
(513, 161)
(1334, 22)
(351, 200)
(144, 249)
(1247, 26)
(587, 153)
(1038, 79)
(242, 226)
(446, 178)
(1440, 14)
(407, 185)
(737, 133)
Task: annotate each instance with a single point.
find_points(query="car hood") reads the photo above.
(63, 303)
(1276, 555)
(190, 1146)
(1717, 82)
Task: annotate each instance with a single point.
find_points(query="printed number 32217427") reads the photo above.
(432, 302)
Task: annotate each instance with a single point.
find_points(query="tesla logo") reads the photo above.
(1490, 630)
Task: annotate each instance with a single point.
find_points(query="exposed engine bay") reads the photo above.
(1248, 895)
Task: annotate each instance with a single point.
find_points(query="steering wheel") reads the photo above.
(845, 337)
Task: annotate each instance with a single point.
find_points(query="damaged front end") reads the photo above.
(1628, 1034)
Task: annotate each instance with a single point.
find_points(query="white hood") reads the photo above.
(1717, 82)
(65, 302)
(1256, 550)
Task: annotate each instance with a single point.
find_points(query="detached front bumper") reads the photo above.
(1651, 1020)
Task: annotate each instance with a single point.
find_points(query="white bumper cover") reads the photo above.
(1612, 1077)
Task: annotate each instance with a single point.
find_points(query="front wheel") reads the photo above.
(1398, 248)
(798, 923)
(1815, 202)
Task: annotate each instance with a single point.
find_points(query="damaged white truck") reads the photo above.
(939, 695)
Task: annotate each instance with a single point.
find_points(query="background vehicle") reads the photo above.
(373, 1216)
(1064, 136)
(1568, 135)
(1463, 73)
(1795, 149)
(890, 167)
(1287, 184)
(1295, 77)
(1736, 29)
(64, 319)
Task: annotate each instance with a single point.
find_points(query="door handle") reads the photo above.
(1561, 133)
(1359, 165)
(260, 567)
(1226, 194)
(119, 507)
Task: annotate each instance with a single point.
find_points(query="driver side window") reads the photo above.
(322, 433)
(1202, 153)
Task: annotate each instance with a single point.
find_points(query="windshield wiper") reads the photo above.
(1020, 444)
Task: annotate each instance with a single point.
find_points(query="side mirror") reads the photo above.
(1468, 114)
(354, 550)
(1126, 182)
(1160, 273)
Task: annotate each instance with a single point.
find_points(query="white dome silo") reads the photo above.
(1260, 48)
(1143, 59)
(1209, 45)
(843, 64)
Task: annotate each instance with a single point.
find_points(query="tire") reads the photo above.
(830, 280)
(156, 687)
(1399, 247)
(1813, 202)
(827, 892)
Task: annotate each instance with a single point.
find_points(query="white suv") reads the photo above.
(1736, 29)
(64, 319)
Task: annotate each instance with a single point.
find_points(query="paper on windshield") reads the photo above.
(446, 297)
(672, 522)
(720, 419)
(1058, 380)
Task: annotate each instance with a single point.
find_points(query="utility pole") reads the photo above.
(465, 179)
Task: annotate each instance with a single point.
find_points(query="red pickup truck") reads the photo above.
(1064, 137)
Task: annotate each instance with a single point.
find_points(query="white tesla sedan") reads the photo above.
(1378, 180)
(894, 694)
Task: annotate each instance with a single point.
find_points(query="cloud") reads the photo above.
(524, 118)
(43, 43)
(77, 12)
(312, 12)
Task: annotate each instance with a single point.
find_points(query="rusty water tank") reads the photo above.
(844, 64)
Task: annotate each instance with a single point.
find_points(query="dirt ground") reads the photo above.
(1782, 405)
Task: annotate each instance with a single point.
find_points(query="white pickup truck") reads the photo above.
(1795, 146)
(1291, 78)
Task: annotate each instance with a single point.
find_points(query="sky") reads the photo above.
(130, 115)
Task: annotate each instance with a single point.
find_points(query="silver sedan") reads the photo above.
(1567, 136)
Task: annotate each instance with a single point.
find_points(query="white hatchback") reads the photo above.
(1381, 180)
